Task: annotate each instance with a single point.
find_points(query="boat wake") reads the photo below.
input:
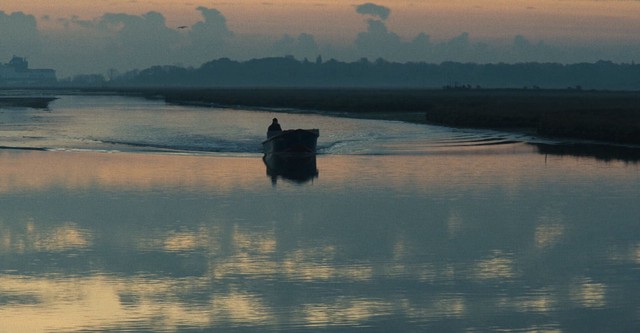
(409, 144)
(187, 146)
(437, 141)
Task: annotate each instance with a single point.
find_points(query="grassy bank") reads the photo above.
(593, 115)
(602, 116)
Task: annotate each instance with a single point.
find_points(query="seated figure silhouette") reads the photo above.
(274, 128)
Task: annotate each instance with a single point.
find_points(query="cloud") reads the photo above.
(459, 44)
(213, 28)
(378, 11)
(209, 38)
(113, 40)
(86, 24)
(140, 39)
(125, 41)
(524, 50)
(378, 41)
(18, 34)
(145, 30)
(304, 46)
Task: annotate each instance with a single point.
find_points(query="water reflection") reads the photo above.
(167, 243)
(588, 293)
(50, 239)
(108, 303)
(344, 311)
(599, 151)
(27, 171)
(296, 168)
(498, 266)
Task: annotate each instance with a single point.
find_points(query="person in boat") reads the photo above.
(274, 128)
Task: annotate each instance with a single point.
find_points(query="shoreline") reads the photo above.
(604, 117)
(508, 111)
(599, 116)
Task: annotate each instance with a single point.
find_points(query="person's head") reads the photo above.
(275, 120)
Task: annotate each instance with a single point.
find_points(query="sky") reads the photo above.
(97, 36)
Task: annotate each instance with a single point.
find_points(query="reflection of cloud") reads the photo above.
(454, 223)
(344, 311)
(70, 304)
(41, 171)
(38, 238)
(244, 265)
(536, 301)
(253, 255)
(188, 241)
(241, 308)
(253, 242)
(448, 306)
(453, 306)
(62, 238)
(627, 254)
(547, 235)
(551, 228)
(498, 266)
(250, 255)
(589, 294)
(316, 264)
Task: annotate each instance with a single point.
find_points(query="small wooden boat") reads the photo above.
(297, 141)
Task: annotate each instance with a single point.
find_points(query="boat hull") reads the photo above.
(298, 141)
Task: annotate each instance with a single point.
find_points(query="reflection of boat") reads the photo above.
(299, 168)
(292, 141)
(36, 102)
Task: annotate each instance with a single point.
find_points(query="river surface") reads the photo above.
(129, 215)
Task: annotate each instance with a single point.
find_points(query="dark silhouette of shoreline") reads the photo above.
(288, 72)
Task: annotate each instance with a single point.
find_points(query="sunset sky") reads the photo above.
(79, 36)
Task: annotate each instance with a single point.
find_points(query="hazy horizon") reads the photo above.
(75, 38)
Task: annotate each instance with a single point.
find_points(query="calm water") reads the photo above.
(139, 216)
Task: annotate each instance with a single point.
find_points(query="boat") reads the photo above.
(296, 141)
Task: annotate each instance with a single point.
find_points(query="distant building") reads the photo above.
(17, 73)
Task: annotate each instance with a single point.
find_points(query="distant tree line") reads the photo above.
(290, 72)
